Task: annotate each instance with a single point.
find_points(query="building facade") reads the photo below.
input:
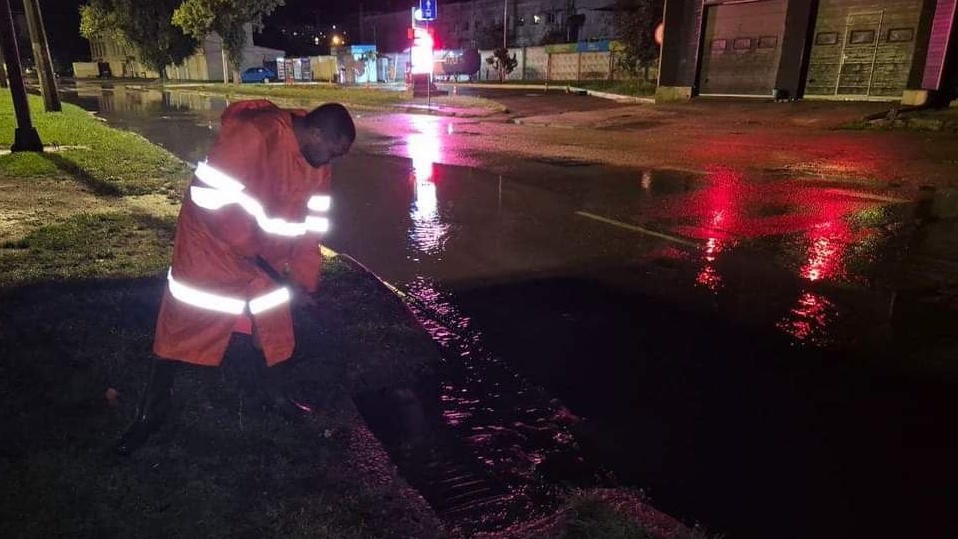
(206, 64)
(479, 24)
(838, 49)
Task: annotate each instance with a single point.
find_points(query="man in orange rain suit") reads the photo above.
(247, 240)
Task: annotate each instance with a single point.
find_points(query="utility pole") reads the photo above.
(41, 55)
(25, 138)
(505, 22)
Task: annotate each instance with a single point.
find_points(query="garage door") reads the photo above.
(742, 47)
(861, 49)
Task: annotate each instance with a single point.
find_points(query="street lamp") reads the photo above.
(337, 41)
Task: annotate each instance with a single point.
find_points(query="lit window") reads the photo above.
(536, 19)
(522, 21)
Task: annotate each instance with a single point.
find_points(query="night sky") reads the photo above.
(62, 20)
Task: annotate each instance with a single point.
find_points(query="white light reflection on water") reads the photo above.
(428, 232)
(511, 425)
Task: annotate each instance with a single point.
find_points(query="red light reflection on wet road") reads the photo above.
(808, 321)
(827, 244)
(813, 221)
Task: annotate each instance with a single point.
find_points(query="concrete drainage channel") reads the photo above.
(484, 447)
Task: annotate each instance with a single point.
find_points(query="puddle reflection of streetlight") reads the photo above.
(428, 232)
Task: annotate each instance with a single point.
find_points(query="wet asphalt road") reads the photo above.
(739, 344)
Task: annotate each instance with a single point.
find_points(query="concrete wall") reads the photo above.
(541, 64)
(86, 70)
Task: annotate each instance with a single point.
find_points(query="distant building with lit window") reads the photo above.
(478, 24)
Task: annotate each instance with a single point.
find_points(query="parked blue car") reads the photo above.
(258, 74)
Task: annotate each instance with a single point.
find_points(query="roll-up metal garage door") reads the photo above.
(742, 47)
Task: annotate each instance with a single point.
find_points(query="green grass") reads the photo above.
(223, 466)
(468, 102)
(362, 97)
(69, 214)
(111, 161)
(80, 284)
(632, 87)
(358, 97)
(636, 88)
(593, 516)
(114, 244)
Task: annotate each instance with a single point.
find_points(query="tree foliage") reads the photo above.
(635, 22)
(143, 26)
(227, 18)
(502, 62)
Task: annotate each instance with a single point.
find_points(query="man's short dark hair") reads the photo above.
(333, 120)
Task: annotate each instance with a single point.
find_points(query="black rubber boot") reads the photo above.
(278, 399)
(153, 408)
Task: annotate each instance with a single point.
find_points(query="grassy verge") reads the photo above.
(358, 97)
(636, 87)
(620, 515)
(602, 513)
(105, 160)
(223, 466)
(101, 206)
(920, 120)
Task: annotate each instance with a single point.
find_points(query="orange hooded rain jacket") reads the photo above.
(254, 196)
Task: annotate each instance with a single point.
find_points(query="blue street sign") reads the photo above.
(428, 9)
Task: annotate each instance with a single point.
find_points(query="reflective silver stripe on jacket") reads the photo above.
(225, 304)
(224, 190)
